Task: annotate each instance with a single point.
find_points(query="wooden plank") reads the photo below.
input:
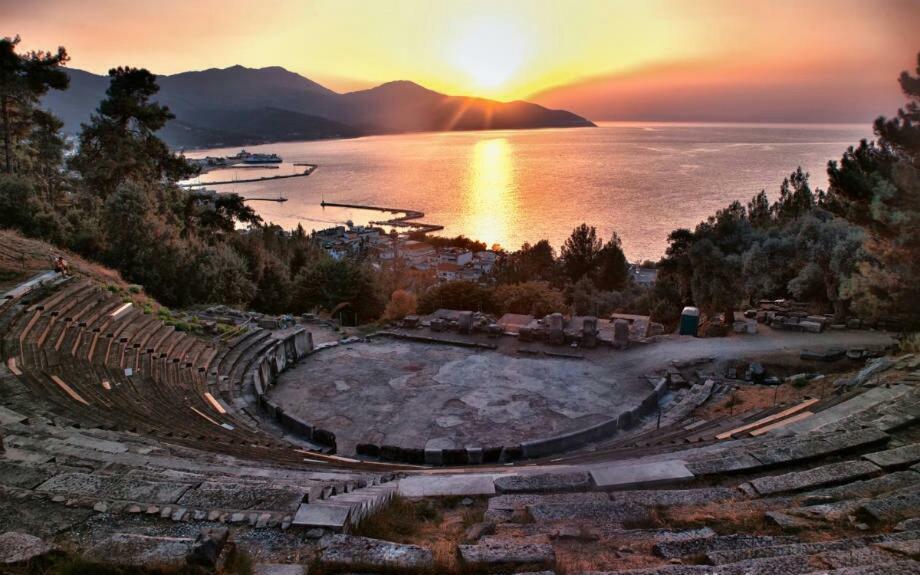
(778, 424)
(69, 390)
(214, 403)
(121, 310)
(769, 419)
(11, 364)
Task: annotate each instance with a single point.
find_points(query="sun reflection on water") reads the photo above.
(491, 195)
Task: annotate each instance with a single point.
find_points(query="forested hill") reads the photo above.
(238, 105)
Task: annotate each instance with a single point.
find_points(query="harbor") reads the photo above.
(308, 169)
(404, 221)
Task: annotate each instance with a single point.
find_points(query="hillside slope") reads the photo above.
(238, 105)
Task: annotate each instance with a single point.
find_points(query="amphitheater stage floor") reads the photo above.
(421, 395)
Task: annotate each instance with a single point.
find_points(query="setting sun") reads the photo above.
(489, 53)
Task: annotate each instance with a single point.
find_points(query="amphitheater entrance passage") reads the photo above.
(421, 396)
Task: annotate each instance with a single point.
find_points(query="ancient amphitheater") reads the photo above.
(127, 441)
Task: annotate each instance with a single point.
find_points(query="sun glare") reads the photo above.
(489, 53)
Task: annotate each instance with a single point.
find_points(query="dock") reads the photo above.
(404, 221)
(308, 169)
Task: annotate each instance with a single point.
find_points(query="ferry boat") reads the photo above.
(250, 158)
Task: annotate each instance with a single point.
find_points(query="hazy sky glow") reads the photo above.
(499, 49)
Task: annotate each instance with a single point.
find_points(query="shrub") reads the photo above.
(401, 304)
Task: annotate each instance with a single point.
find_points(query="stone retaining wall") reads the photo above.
(525, 450)
(294, 347)
(285, 352)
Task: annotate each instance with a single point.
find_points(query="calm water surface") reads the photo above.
(510, 187)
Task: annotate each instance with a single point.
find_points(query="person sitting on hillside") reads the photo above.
(60, 266)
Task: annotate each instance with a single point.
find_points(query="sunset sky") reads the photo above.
(595, 57)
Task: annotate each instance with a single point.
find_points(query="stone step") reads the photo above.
(842, 472)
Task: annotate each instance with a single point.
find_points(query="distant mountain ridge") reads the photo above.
(241, 106)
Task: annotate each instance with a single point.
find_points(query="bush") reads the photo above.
(401, 304)
(462, 295)
(535, 298)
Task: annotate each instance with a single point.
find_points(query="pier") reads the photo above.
(404, 221)
(309, 169)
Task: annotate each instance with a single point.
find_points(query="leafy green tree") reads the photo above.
(24, 79)
(580, 251)
(46, 153)
(535, 262)
(759, 212)
(223, 276)
(120, 143)
(611, 270)
(795, 197)
(462, 295)
(334, 285)
(587, 299)
(534, 298)
(876, 185)
(273, 294)
(716, 279)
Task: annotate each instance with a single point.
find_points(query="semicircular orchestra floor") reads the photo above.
(421, 395)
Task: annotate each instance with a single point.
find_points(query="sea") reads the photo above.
(505, 188)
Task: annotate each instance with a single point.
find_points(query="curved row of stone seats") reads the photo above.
(831, 502)
(94, 361)
(115, 472)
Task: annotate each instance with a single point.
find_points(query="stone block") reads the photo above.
(897, 457)
(141, 550)
(465, 322)
(543, 482)
(440, 485)
(322, 515)
(16, 547)
(278, 569)
(556, 328)
(622, 474)
(811, 326)
(345, 551)
(589, 332)
(817, 477)
(893, 507)
(620, 334)
(505, 553)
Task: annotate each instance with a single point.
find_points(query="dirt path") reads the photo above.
(642, 360)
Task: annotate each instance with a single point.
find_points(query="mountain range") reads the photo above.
(242, 106)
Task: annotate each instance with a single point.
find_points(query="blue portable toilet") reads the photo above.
(689, 320)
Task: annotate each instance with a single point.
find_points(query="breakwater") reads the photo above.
(308, 169)
(404, 221)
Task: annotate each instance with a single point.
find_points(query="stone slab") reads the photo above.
(333, 517)
(901, 504)
(278, 569)
(17, 547)
(141, 550)
(24, 476)
(519, 501)
(726, 462)
(495, 553)
(606, 513)
(442, 485)
(897, 457)
(9, 417)
(212, 494)
(809, 447)
(831, 416)
(543, 482)
(702, 545)
(624, 474)
(363, 552)
(817, 477)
